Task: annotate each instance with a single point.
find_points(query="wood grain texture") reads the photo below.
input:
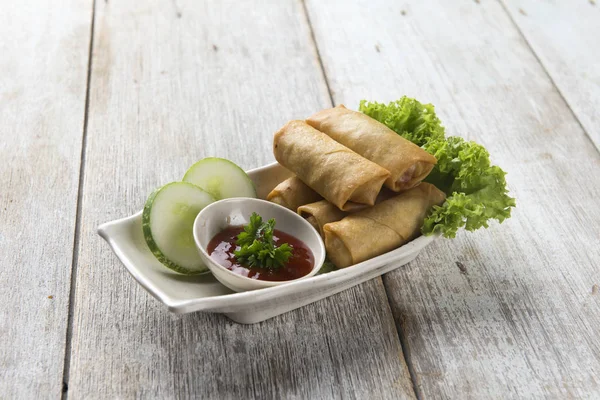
(43, 59)
(508, 312)
(172, 83)
(564, 36)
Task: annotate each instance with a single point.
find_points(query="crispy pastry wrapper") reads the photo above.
(320, 213)
(408, 163)
(379, 229)
(329, 168)
(293, 193)
(323, 212)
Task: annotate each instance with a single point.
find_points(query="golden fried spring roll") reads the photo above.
(293, 193)
(377, 230)
(323, 212)
(408, 163)
(329, 168)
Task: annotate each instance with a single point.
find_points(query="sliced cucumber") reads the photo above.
(221, 178)
(167, 222)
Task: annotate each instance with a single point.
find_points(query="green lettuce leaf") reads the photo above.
(476, 190)
(414, 121)
(327, 267)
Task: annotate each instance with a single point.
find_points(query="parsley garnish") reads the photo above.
(257, 248)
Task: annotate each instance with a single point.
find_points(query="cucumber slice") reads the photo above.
(221, 178)
(167, 222)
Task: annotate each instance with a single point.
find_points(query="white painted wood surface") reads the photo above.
(509, 312)
(564, 35)
(172, 83)
(43, 64)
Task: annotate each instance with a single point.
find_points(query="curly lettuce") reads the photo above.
(414, 121)
(476, 190)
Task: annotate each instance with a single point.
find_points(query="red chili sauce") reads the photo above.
(222, 246)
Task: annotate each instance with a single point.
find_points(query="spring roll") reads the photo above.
(293, 193)
(408, 163)
(377, 230)
(329, 168)
(320, 213)
(323, 212)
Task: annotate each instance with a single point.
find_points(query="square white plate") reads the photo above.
(184, 294)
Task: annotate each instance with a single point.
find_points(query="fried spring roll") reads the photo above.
(323, 212)
(408, 163)
(329, 168)
(377, 230)
(293, 193)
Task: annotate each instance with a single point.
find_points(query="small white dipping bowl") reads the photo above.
(237, 211)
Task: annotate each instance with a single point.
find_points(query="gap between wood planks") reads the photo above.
(76, 236)
(539, 60)
(314, 41)
(401, 336)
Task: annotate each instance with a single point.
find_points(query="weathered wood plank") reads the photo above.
(521, 320)
(172, 83)
(564, 36)
(43, 59)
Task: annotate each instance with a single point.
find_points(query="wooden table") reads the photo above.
(102, 101)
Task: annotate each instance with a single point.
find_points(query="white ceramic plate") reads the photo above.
(185, 294)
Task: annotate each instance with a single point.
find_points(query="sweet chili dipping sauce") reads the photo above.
(222, 246)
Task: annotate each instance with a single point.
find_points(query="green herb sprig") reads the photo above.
(257, 248)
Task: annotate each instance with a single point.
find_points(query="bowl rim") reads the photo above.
(318, 261)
